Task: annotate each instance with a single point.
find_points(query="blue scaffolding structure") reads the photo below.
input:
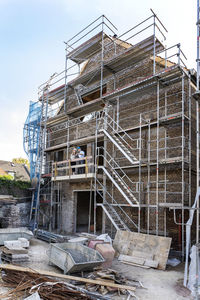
(31, 134)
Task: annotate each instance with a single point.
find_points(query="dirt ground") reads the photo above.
(158, 285)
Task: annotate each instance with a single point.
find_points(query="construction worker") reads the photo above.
(73, 156)
(81, 154)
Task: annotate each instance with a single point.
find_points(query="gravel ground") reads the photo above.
(158, 285)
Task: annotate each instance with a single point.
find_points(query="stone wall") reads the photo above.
(14, 214)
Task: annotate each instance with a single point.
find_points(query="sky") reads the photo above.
(32, 35)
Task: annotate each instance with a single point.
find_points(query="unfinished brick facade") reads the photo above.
(134, 115)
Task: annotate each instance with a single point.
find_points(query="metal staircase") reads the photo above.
(122, 182)
(121, 140)
(111, 168)
(120, 219)
(116, 141)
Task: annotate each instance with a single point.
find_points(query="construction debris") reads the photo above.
(47, 288)
(113, 277)
(145, 250)
(40, 273)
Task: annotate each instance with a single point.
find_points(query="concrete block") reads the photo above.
(12, 245)
(24, 242)
(18, 244)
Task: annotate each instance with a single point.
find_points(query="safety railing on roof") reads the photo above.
(151, 26)
(100, 23)
(169, 57)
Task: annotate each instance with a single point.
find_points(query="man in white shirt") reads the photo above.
(81, 154)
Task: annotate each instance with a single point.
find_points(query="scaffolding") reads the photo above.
(130, 97)
(31, 136)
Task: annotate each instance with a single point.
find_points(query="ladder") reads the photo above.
(40, 157)
(80, 101)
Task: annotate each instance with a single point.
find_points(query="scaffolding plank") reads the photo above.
(78, 177)
(87, 49)
(118, 62)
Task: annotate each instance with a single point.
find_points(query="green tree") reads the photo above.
(21, 160)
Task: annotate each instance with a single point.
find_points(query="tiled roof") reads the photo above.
(20, 170)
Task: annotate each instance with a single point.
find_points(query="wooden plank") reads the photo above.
(138, 260)
(127, 243)
(135, 265)
(135, 260)
(151, 263)
(53, 274)
(145, 255)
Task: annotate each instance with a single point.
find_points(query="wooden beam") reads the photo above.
(53, 274)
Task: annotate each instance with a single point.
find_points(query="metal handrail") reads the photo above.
(56, 168)
(130, 220)
(120, 129)
(177, 54)
(115, 165)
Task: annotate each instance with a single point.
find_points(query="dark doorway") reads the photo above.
(59, 155)
(82, 212)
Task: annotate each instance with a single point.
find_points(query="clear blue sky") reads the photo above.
(31, 38)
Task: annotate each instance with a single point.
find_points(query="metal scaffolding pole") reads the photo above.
(140, 159)
(154, 43)
(198, 36)
(148, 174)
(42, 144)
(183, 166)
(165, 172)
(157, 157)
(95, 173)
(197, 119)
(105, 166)
(102, 57)
(189, 140)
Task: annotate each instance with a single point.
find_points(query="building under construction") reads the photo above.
(127, 101)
